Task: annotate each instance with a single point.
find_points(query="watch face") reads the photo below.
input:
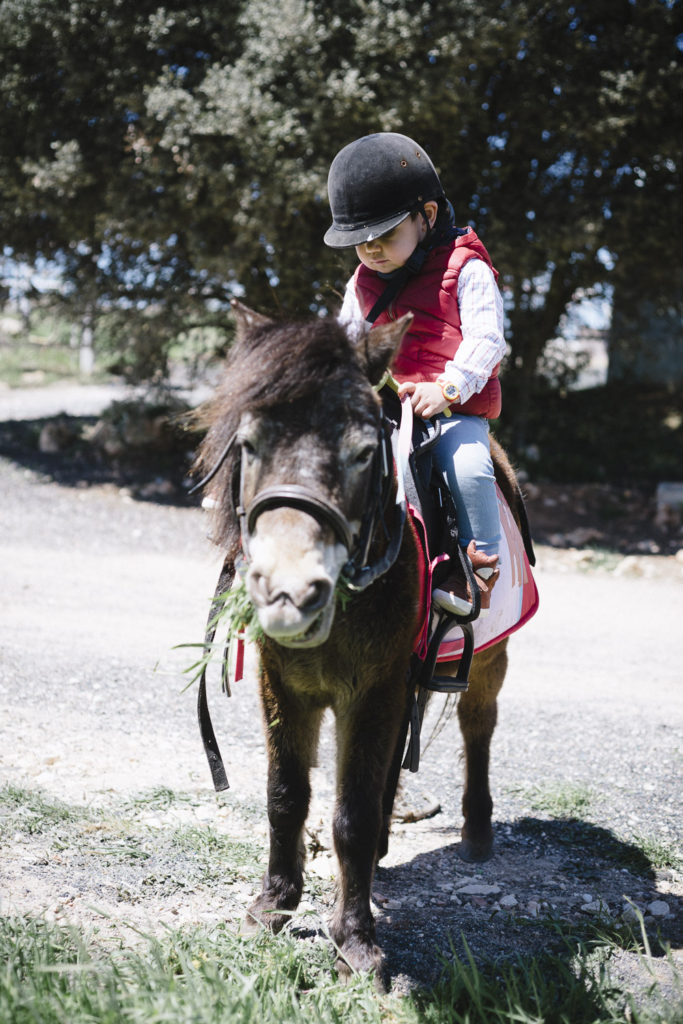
(450, 392)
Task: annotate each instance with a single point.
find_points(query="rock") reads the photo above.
(56, 436)
(658, 908)
(584, 535)
(648, 547)
(508, 901)
(598, 907)
(630, 913)
(629, 566)
(669, 499)
(478, 889)
(106, 436)
(478, 901)
(158, 488)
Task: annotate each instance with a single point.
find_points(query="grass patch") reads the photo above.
(28, 811)
(218, 857)
(573, 987)
(160, 859)
(661, 852)
(562, 800)
(57, 975)
(24, 362)
(569, 804)
(600, 558)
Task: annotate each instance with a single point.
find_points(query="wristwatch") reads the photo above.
(450, 391)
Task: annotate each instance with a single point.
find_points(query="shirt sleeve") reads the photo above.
(481, 318)
(350, 315)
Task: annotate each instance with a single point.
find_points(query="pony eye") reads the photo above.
(364, 456)
(248, 448)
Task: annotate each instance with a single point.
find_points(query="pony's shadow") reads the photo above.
(569, 856)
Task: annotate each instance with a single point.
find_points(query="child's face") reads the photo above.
(390, 251)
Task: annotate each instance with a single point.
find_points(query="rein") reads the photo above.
(357, 573)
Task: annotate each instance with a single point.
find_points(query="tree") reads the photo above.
(74, 80)
(199, 142)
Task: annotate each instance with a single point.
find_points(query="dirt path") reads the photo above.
(95, 589)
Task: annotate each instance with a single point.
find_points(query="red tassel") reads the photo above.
(239, 660)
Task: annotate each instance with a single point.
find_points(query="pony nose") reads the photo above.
(310, 597)
(319, 593)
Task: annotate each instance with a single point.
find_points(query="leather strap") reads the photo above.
(297, 496)
(213, 754)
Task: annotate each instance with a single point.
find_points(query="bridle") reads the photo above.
(358, 572)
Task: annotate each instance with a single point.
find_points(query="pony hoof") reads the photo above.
(261, 915)
(475, 853)
(346, 972)
(250, 925)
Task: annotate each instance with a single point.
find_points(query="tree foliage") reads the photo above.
(179, 153)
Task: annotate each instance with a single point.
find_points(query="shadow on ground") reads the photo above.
(427, 912)
(149, 450)
(81, 451)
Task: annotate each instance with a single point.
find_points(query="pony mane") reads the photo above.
(269, 365)
(282, 362)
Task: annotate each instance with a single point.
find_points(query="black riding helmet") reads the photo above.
(375, 183)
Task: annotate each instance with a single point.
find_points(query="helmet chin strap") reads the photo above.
(397, 278)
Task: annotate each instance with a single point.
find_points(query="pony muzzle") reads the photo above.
(292, 573)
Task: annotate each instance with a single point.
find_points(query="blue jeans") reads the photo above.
(463, 457)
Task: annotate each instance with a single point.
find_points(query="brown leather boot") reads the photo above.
(453, 595)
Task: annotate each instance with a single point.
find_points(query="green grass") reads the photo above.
(562, 800)
(163, 859)
(58, 975)
(27, 810)
(661, 853)
(53, 973)
(27, 363)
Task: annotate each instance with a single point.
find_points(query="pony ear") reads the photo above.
(247, 319)
(377, 347)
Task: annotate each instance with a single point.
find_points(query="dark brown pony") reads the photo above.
(296, 437)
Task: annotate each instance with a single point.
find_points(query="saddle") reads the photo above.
(446, 636)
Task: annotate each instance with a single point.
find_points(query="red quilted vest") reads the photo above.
(435, 334)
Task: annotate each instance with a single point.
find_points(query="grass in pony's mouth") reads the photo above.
(237, 615)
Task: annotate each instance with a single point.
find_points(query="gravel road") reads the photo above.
(96, 589)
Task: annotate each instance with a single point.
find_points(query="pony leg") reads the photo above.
(292, 742)
(477, 713)
(367, 735)
(391, 786)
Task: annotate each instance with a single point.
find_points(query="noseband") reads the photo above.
(357, 573)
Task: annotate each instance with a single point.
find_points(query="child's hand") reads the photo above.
(426, 397)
